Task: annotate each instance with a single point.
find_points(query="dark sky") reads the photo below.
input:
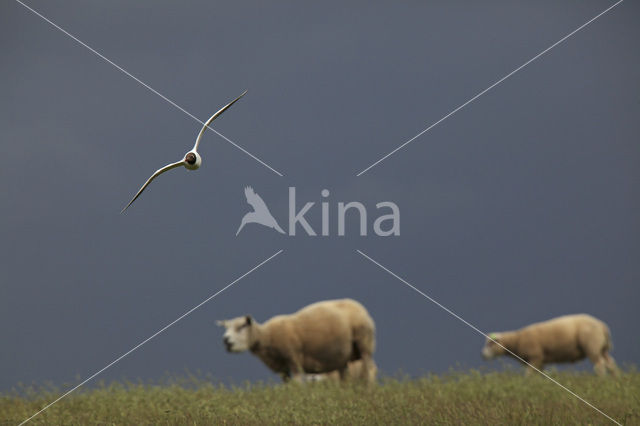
(520, 207)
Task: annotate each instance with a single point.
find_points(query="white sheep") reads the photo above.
(568, 338)
(320, 338)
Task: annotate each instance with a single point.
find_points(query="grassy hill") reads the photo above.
(455, 398)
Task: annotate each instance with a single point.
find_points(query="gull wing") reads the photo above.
(153, 176)
(255, 200)
(213, 117)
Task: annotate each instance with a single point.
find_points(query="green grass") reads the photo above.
(455, 398)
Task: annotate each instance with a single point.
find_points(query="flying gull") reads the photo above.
(191, 160)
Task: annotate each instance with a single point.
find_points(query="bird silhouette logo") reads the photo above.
(260, 213)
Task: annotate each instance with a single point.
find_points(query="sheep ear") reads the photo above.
(493, 336)
(248, 319)
(220, 323)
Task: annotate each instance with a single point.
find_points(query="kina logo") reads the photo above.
(385, 224)
(260, 213)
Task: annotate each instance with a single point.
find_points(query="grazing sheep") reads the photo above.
(320, 338)
(568, 338)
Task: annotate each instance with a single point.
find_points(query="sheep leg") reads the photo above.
(344, 373)
(285, 377)
(610, 364)
(368, 370)
(533, 367)
(599, 362)
(298, 378)
(600, 366)
(371, 371)
(296, 372)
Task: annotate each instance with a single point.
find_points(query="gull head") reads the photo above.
(192, 160)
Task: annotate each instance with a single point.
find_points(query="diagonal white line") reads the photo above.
(127, 73)
(153, 335)
(485, 335)
(489, 88)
